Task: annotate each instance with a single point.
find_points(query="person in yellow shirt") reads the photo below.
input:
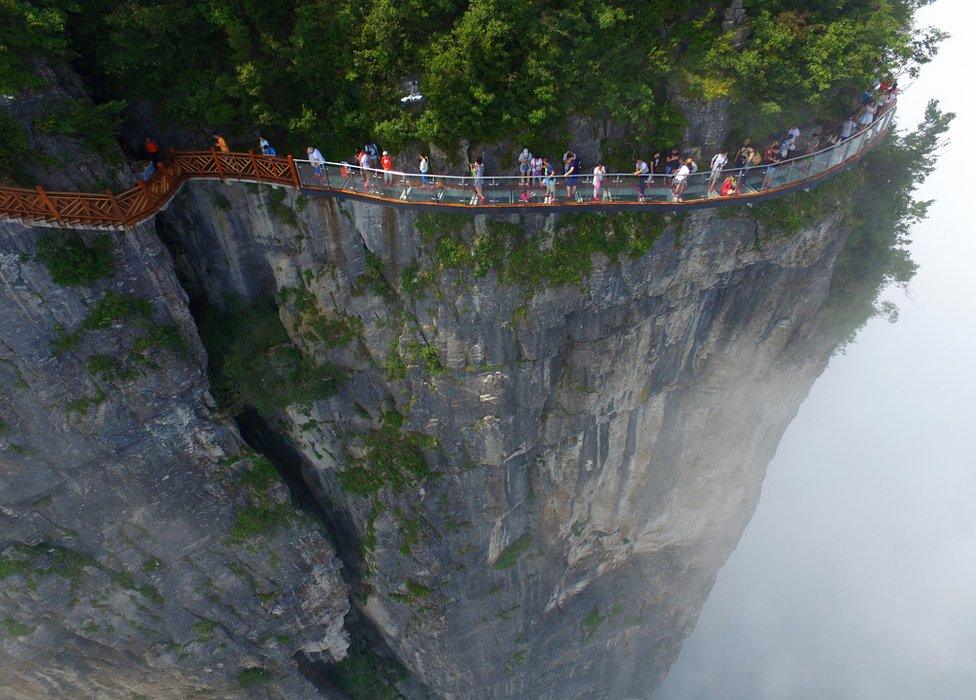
(221, 143)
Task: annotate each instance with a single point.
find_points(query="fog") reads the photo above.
(857, 576)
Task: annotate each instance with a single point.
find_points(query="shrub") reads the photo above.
(14, 628)
(73, 263)
(257, 521)
(511, 554)
(254, 675)
(255, 364)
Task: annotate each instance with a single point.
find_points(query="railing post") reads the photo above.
(254, 163)
(48, 203)
(145, 190)
(217, 165)
(295, 177)
(116, 209)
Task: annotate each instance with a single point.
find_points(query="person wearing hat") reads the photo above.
(387, 162)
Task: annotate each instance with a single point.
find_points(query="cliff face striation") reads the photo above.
(144, 549)
(535, 462)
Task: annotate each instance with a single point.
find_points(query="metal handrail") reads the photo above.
(617, 187)
(125, 209)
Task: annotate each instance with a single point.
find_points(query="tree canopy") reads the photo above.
(331, 71)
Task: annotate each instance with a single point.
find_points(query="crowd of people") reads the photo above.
(540, 175)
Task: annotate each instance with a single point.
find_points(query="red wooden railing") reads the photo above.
(125, 209)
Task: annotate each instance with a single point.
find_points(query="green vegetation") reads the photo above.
(264, 514)
(373, 278)
(205, 629)
(425, 355)
(875, 254)
(333, 332)
(71, 262)
(15, 151)
(277, 207)
(42, 560)
(95, 125)
(394, 366)
(83, 404)
(394, 459)
(520, 258)
(257, 521)
(511, 554)
(489, 70)
(110, 308)
(254, 363)
(14, 628)
(365, 675)
(254, 675)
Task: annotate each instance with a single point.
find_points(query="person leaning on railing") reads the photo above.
(317, 161)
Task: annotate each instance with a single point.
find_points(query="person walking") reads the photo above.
(266, 147)
(537, 171)
(655, 163)
(681, 179)
(387, 162)
(152, 150)
(571, 174)
(363, 159)
(372, 154)
(599, 172)
(718, 162)
(867, 114)
(549, 181)
(641, 170)
(478, 173)
(424, 168)
(220, 143)
(524, 161)
(847, 129)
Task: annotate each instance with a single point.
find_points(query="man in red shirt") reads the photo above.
(152, 150)
(387, 162)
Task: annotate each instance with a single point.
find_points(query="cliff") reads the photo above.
(136, 555)
(532, 484)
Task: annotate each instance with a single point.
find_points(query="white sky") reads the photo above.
(857, 576)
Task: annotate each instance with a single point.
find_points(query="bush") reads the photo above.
(253, 675)
(72, 263)
(254, 363)
(511, 554)
(95, 125)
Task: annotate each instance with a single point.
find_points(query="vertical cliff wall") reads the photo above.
(533, 484)
(144, 550)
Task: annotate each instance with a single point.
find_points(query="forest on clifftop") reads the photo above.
(332, 72)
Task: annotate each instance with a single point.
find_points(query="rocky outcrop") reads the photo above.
(144, 549)
(533, 485)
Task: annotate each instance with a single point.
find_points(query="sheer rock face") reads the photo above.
(119, 487)
(599, 449)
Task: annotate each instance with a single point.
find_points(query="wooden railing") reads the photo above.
(139, 203)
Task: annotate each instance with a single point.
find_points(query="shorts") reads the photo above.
(524, 169)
